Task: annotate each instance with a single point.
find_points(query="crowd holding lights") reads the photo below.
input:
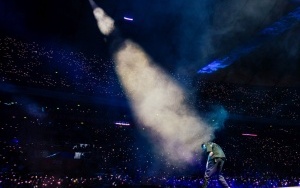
(115, 153)
(254, 101)
(29, 64)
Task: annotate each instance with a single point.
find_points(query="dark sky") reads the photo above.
(181, 36)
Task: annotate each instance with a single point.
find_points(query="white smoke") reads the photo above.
(105, 23)
(159, 103)
(157, 100)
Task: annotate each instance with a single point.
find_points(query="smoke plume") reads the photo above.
(157, 100)
(159, 103)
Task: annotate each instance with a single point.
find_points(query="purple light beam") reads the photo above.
(247, 134)
(127, 18)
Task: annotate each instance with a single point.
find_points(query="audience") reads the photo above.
(71, 142)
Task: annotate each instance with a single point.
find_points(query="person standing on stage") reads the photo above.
(214, 164)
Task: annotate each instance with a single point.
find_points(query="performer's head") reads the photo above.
(203, 146)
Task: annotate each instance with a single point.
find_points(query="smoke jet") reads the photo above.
(160, 104)
(104, 22)
(157, 100)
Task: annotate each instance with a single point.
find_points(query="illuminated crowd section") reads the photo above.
(60, 150)
(58, 141)
(254, 101)
(31, 64)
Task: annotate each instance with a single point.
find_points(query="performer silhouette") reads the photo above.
(214, 164)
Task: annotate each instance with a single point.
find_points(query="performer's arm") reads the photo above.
(209, 156)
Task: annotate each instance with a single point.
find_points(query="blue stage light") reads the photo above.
(277, 28)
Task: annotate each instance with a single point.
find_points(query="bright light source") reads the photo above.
(127, 18)
(247, 134)
(122, 123)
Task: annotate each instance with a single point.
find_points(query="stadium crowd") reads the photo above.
(62, 139)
